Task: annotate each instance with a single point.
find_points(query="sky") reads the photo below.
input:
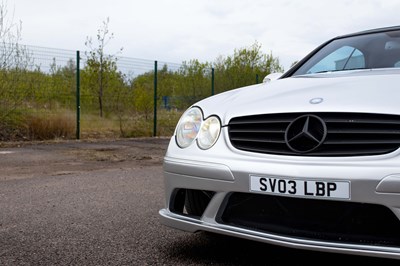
(181, 30)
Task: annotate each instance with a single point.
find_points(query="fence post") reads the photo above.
(78, 97)
(212, 81)
(155, 100)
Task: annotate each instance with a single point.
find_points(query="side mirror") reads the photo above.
(272, 77)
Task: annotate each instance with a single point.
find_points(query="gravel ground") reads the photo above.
(97, 202)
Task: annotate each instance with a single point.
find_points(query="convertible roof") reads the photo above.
(376, 30)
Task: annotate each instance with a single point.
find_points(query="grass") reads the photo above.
(12, 125)
(46, 125)
(61, 124)
(134, 125)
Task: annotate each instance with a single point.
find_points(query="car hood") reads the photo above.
(367, 91)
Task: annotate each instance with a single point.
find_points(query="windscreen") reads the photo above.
(368, 51)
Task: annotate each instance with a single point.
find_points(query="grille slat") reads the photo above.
(361, 121)
(247, 130)
(248, 140)
(280, 118)
(360, 142)
(369, 131)
(332, 152)
(348, 134)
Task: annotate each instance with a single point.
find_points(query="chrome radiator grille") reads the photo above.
(316, 134)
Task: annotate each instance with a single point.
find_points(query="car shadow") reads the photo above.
(212, 249)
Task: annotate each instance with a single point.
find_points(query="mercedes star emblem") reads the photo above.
(305, 134)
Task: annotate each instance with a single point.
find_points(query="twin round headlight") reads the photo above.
(191, 127)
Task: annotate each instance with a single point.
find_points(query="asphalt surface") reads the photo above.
(97, 204)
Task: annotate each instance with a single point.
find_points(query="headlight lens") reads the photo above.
(209, 132)
(188, 127)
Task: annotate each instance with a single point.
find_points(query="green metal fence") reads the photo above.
(37, 92)
(53, 93)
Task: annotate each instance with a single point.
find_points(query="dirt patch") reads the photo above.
(35, 159)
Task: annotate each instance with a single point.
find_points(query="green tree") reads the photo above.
(196, 77)
(62, 83)
(143, 94)
(242, 68)
(101, 67)
(14, 62)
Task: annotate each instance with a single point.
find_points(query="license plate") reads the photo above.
(300, 187)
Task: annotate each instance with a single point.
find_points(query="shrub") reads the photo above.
(45, 126)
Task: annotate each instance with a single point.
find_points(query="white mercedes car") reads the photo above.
(308, 160)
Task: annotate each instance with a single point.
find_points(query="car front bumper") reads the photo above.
(225, 170)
